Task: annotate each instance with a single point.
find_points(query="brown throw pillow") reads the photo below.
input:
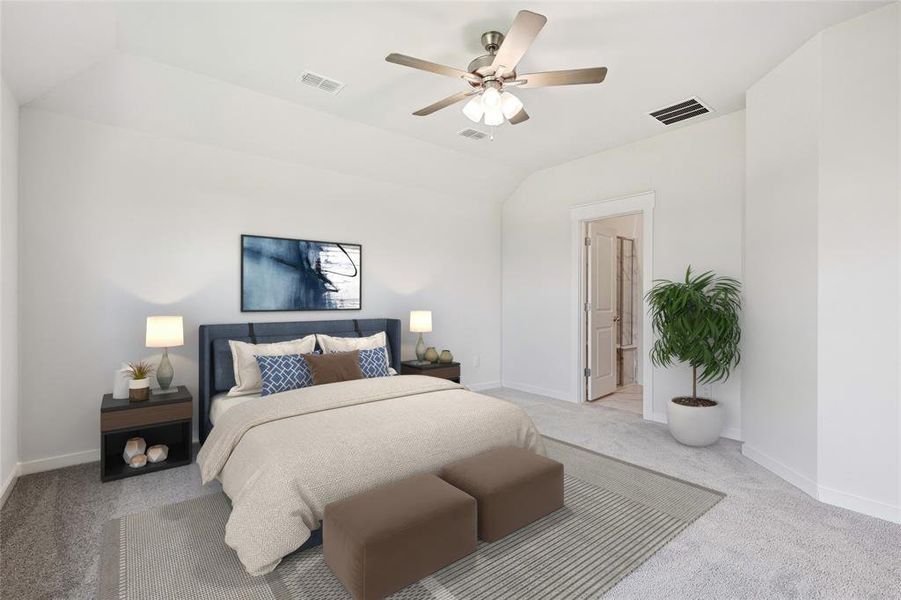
(337, 366)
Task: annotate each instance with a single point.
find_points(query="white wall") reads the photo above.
(9, 367)
(858, 237)
(820, 393)
(779, 348)
(697, 173)
(117, 225)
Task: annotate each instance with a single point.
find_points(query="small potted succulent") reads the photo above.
(139, 384)
(696, 321)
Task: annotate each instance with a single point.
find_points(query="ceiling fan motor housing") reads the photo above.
(491, 41)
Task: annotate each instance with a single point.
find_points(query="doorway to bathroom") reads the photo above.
(613, 312)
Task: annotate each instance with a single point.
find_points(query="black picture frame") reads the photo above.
(341, 245)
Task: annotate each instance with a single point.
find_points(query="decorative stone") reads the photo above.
(138, 460)
(431, 354)
(157, 453)
(133, 447)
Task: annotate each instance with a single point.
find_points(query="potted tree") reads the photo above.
(139, 386)
(696, 321)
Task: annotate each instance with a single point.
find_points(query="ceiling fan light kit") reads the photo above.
(489, 74)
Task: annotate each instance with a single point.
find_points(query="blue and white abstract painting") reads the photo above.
(285, 274)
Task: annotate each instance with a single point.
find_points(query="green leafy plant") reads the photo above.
(139, 370)
(696, 321)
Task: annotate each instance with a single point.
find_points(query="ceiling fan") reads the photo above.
(489, 75)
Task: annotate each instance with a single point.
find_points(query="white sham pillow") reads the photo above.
(349, 344)
(247, 372)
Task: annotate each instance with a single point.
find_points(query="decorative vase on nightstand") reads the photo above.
(446, 357)
(431, 354)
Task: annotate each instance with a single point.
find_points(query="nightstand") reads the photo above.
(443, 370)
(163, 419)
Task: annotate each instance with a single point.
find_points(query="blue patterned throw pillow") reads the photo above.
(283, 373)
(374, 362)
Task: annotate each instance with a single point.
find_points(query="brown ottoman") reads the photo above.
(382, 540)
(513, 487)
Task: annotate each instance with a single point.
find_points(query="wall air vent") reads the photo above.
(681, 111)
(473, 134)
(321, 82)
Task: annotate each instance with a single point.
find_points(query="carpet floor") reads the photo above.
(766, 539)
(616, 516)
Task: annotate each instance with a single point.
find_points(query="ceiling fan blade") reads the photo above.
(519, 117)
(570, 77)
(424, 65)
(443, 103)
(522, 33)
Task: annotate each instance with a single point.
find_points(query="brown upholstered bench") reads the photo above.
(513, 487)
(382, 540)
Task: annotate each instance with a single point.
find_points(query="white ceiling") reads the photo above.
(658, 53)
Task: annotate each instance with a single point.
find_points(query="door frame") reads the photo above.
(580, 215)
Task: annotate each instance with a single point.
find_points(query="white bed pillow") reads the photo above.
(247, 371)
(349, 344)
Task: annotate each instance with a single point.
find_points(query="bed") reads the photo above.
(283, 457)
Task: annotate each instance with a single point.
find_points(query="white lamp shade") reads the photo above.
(165, 332)
(420, 321)
(494, 117)
(473, 109)
(510, 105)
(491, 98)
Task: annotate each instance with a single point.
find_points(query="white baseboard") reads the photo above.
(531, 389)
(802, 482)
(58, 462)
(732, 433)
(865, 506)
(873, 508)
(487, 385)
(9, 484)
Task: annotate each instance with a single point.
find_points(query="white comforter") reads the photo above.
(282, 458)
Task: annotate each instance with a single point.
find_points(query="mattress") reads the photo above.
(221, 403)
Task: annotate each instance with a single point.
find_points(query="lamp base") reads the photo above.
(420, 350)
(161, 391)
(165, 372)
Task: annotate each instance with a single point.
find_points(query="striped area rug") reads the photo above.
(616, 516)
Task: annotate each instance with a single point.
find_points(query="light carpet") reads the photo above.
(616, 516)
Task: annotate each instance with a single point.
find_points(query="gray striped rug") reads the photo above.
(616, 516)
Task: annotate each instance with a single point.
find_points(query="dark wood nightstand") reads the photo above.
(163, 419)
(443, 370)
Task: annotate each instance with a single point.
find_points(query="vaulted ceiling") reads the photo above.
(60, 56)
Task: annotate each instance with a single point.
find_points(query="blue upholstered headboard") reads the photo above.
(216, 369)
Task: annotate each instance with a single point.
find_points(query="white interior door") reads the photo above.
(601, 310)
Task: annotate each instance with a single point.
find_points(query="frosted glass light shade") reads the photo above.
(491, 98)
(494, 117)
(474, 110)
(421, 321)
(164, 332)
(510, 105)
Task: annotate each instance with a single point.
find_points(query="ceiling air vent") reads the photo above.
(321, 82)
(473, 134)
(681, 111)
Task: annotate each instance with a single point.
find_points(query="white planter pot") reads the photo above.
(139, 390)
(138, 384)
(695, 425)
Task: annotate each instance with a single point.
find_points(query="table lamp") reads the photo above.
(165, 333)
(420, 322)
